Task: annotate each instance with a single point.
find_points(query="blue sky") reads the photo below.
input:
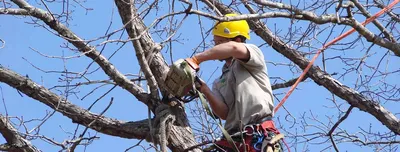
(20, 37)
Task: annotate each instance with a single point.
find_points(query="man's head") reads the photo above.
(231, 31)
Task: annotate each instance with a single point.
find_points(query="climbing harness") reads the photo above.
(262, 137)
(325, 47)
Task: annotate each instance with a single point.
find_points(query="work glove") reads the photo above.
(194, 63)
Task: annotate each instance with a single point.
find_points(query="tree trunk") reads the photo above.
(173, 129)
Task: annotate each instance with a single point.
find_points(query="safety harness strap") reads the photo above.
(188, 71)
(224, 132)
(269, 143)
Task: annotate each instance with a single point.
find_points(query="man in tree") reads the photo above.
(242, 95)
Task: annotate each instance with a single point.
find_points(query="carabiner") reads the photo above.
(249, 129)
(259, 129)
(258, 145)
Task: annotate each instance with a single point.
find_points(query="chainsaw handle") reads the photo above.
(198, 83)
(192, 94)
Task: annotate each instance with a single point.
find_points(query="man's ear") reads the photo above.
(238, 39)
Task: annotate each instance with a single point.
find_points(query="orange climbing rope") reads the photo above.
(326, 46)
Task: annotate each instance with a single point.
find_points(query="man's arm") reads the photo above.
(224, 51)
(219, 107)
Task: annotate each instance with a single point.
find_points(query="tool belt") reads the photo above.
(262, 137)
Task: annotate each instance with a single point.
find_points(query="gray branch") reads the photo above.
(179, 136)
(88, 50)
(391, 14)
(311, 16)
(13, 11)
(15, 142)
(323, 19)
(130, 18)
(287, 83)
(136, 130)
(376, 22)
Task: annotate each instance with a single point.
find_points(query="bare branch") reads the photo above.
(144, 47)
(3, 43)
(144, 65)
(376, 22)
(15, 142)
(89, 51)
(310, 16)
(137, 144)
(307, 15)
(13, 11)
(286, 84)
(80, 138)
(391, 14)
(336, 125)
(137, 130)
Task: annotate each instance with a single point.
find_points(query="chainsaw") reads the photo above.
(181, 80)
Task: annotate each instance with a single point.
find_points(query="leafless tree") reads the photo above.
(357, 76)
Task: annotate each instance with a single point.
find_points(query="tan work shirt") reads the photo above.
(246, 90)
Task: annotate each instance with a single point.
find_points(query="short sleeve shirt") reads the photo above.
(246, 90)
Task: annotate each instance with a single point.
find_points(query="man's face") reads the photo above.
(219, 40)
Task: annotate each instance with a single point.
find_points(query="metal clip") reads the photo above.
(259, 129)
(258, 145)
(249, 130)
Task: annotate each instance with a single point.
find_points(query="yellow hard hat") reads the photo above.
(232, 29)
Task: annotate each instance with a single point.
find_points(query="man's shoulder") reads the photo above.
(252, 46)
(254, 50)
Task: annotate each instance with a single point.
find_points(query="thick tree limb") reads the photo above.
(391, 14)
(155, 60)
(311, 16)
(178, 135)
(320, 77)
(13, 11)
(323, 19)
(89, 51)
(137, 130)
(15, 142)
(129, 18)
(376, 22)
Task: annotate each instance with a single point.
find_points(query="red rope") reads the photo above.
(326, 46)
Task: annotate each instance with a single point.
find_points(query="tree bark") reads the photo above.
(172, 123)
(136, 130)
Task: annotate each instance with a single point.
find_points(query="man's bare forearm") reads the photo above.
(224, 51)
(218, 106)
